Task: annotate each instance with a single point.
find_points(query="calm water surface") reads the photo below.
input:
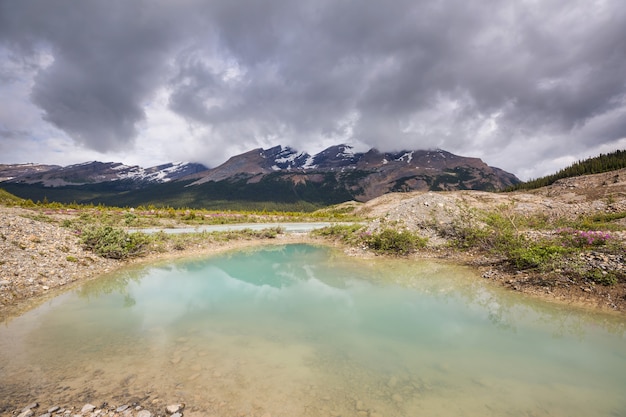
(300, 330)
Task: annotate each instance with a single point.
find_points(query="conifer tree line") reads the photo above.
(601, 163)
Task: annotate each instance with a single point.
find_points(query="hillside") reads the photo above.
(600, 164)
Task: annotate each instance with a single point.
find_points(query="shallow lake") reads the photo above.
(301, 330)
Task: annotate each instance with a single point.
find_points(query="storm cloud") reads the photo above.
(527, 86)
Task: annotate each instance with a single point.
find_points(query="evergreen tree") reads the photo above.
(596, 165)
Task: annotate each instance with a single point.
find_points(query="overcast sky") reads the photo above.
(528, 86)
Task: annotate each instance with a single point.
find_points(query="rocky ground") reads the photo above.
(103, 410)
(431, 212)
(38, 258)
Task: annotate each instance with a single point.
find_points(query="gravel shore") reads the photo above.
(39, 258)
(35, 409)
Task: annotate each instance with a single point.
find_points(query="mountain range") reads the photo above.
(280, 175)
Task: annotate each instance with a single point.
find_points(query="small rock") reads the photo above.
(46, 415)
(144, 413)
(30, 406)
(177, 415)
(174, 408)
(87, 408)
(4, 282)
(53, 409)
(121, 408)
(27, 413)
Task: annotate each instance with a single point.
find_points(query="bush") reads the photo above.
(395, 242)
(601, 277)
(533, 255)
(114, 243)
(345, 232)
(583, 238)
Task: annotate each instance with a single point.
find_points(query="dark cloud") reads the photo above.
(106, 59)
(470, 77)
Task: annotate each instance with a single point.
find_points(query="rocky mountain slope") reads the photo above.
(365, 175)
(279, 174)
(97, 172)
(10, 172)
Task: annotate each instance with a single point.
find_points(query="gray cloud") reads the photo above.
(479, 78)
(107, 58)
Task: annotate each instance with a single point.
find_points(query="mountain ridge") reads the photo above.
(94, 172)
(277, 174)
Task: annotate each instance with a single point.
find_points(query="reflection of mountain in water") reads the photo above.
(274, 266)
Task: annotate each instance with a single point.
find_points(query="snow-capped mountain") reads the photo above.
(12, 171)
(98, 172)
(378, 172)
(278, 174)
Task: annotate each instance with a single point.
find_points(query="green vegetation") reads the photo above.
(509, 236)
(8, 199)
(392, 241)
(388, 241)
(110, 242)
(115, 243)
(602, 163)
(74, 215)
(346, 233)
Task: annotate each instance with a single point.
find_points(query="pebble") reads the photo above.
(89, 410)
(174, 408)
(30, 406)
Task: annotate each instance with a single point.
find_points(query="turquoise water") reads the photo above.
(300, 330)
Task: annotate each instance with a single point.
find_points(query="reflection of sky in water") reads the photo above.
(418, 317)
(210, 290)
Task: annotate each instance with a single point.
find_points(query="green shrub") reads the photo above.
(395, 242)
(601, 277)
(534, 255)
(345, 232)
(130, 218)
(269, 233)
(111, 242)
